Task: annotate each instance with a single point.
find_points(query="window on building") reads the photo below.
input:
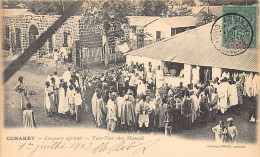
(65, 43)
(174, 69)
(6, 32)
(173, 31)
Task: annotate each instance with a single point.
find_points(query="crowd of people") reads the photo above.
(133, 100)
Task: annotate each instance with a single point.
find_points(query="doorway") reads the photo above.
(78, 56)
(33, 32)
(205, 74)
(18, 38)
(158, 36)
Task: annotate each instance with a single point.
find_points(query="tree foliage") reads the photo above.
(205, 17)
(229, 2)
(153, 8)
(39, 7)
(110, 14)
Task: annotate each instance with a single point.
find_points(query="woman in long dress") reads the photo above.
(63, 102)
(233, 94)
(93, 102)
(128, 117)
(21, 89)
(141, 88)
(49, 106)
(223, 96)
(97, 107)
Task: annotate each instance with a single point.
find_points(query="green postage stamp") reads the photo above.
(236, 30)
(240, 29)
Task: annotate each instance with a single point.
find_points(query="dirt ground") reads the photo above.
(35, 74)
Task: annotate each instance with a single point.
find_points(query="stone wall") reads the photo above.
(42, 23)
(89, 49)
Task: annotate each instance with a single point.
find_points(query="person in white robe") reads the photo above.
(159, 77)
(249, 85)
(49, 106)
(56, 57)
(57, 78)
(64, 53)
(112, 112)
(233, 97)
(219, 132)
(63, 101)
(97, 107)
(195, 111)
(67, 76)
(255, 83)
(141, 88)
(120, 103)
(93, 102)
(223, 96)
(195, 75)
(244, 77)
(231, 131)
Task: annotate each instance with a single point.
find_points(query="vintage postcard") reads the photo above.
(129, 78)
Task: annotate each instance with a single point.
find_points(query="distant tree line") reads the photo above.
(229, 2)
(125, 7)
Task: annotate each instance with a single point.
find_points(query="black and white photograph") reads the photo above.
(185, 69)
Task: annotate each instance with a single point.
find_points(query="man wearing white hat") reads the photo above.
(231, 131)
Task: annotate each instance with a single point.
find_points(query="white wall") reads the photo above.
(216, 72)
(158, 26)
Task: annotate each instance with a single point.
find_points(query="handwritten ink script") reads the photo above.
(93, 144)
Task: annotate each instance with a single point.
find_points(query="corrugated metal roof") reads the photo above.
(180, 21)
(195, 47)
(16, 12)
(174, 22)
(141, 20)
